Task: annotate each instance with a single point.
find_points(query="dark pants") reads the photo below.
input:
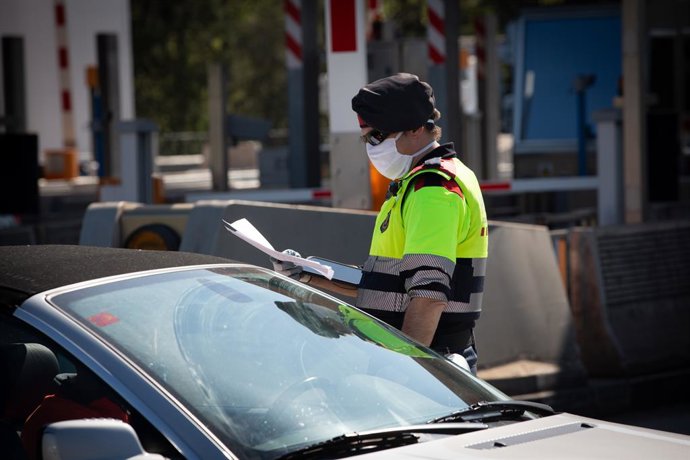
(470, 354)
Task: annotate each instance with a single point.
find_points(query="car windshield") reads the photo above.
(268, 364)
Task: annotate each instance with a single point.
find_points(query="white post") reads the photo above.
(68, 135)
(347, 73)
(609, 167)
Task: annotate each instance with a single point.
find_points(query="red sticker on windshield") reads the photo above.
(103, 319)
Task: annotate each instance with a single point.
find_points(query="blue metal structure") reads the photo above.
(552, 48)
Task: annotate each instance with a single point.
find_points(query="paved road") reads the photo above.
(667, 417)
(657, 401)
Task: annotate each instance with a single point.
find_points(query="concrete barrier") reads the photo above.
(101, 223)
(526, 316)
(338, 234)
(630, 295)
(112, 224)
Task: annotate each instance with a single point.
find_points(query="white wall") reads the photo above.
(34, 21)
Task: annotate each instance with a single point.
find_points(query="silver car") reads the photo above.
(112, 353)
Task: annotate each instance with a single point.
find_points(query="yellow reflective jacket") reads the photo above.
(430, 240)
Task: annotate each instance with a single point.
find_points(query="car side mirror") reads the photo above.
(92, 438)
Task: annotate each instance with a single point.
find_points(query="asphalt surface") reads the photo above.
(656, 401)
(674, 417)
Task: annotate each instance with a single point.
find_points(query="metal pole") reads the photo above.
(492, 115)
(453, 103)
(13, 84)
(97, 134)
(581, 136)
(108, 78)
(295, 79)
(480, 52)
(218, 137)
(634, 111)
(146, 146)
(311, 133)
(302, 64)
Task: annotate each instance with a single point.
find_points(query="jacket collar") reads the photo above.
(442, 151)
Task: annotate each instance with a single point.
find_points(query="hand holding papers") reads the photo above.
(243, 229)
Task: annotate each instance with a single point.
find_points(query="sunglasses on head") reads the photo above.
(375, 137)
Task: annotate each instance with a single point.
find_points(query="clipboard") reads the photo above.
(319, 266)
(349, 274)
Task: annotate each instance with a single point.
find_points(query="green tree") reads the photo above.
(175, 40)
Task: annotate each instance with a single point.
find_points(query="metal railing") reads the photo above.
(182, 143)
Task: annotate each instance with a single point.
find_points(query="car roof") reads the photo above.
(28, 270)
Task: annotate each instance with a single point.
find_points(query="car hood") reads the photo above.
(562, 436)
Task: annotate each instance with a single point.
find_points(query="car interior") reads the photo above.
(42, 384)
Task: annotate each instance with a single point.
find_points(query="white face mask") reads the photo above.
(388, 161)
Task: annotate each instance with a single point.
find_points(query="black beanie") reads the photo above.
(397, 103)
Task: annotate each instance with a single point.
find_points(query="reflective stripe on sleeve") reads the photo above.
(385, 287)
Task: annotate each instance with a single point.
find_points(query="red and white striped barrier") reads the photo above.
(293, 33)
(436, 34)
(64, 74)
(346, 59)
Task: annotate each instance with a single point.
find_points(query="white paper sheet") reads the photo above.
(243, 229)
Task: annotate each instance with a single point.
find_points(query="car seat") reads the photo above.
(76, 396)
(26, 376)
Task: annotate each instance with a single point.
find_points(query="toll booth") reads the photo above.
(567, 64)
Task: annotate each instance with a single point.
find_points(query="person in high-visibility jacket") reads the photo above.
(427, 260)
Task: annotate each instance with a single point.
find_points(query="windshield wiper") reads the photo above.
(371, 441)
(504, 409)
